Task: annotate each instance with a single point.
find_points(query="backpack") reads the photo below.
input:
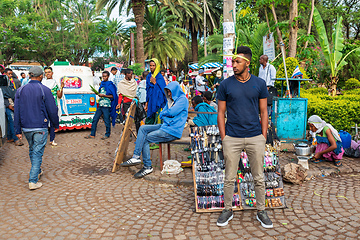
(272, 93)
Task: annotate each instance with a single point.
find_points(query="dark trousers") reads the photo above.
(99, 112)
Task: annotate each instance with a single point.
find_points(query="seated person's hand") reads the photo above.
(317, 155)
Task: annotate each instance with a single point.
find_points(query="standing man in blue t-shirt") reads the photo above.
(243, 96)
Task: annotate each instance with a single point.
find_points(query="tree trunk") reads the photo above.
(333, 85)
(276, 22)
(293, 27)
(310, 22)
(194, 46)
(138, 7)
(267, 19)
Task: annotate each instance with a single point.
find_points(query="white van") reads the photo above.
(79, 103)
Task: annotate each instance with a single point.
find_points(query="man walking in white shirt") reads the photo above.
(200, 81)
(267, 71)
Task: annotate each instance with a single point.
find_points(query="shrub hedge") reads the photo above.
(341, 111)
(352, 83)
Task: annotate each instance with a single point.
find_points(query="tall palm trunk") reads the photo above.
(138, 7)
(194, 45)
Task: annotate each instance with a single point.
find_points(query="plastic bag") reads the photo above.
(171, 167)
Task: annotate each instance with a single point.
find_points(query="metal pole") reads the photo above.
(132, 49)
(282, 46)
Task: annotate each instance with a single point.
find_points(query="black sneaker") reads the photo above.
(263, 218)
(143, 172)
(131, 162)
(225, 217)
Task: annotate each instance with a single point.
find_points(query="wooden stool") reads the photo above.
(181, 141)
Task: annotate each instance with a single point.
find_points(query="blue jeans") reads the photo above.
(37, 141)
(10, 125)
(101, 111)
(149, 134)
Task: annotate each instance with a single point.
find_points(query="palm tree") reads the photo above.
(191, 18)
(115, 31)
(163, 39)
(138, 8)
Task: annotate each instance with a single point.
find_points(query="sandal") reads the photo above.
(337, 163)
(104, 137)
(89, 137)
(319, 160)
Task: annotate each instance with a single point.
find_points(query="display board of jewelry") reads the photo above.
(274, 187)
(209, 170)
(209, 174)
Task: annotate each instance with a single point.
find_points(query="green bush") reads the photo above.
(291, 64)
(352, 83)
(340, 111)
(352, 92)
(315, 91)
(137, 69)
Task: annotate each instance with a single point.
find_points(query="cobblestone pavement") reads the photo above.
(82, 199)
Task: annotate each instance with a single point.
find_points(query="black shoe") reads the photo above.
(225, 217)
(263, 218)
(143, 172)
(131, 162)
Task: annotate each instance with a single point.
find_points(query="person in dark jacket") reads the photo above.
(34, 108)
(9, 97)
(202, 119)
(174, 116)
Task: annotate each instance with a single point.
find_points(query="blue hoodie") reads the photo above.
(175, 112)
(205, 119)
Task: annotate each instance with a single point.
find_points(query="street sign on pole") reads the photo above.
(229, 36)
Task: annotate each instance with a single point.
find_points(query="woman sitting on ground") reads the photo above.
(329, 146)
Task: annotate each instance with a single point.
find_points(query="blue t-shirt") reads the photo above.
(242, 105)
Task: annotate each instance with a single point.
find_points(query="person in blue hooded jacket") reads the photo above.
(174, 116)
(202, 119)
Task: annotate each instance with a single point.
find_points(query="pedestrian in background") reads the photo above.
(34, 108)
(200, 81)
(116, 76)
(155, 95)
(24, 80)
(127, 91)
(9, 98)
(107, 106)
(57, 93)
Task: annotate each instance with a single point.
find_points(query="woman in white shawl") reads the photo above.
(126, 89)
(329, 146)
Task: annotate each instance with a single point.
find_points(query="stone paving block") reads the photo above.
(95, 203)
